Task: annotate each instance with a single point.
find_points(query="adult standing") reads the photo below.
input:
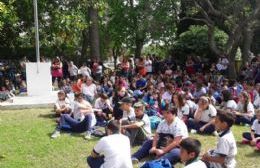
(73, 70)
(56, 70)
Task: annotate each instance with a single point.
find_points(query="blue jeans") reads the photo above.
(173, 156)
(192, 124)
(95, 162)
(67, 123)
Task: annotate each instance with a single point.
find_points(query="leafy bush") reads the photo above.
(195, 41)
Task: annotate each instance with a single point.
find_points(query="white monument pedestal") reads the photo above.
(38, 83)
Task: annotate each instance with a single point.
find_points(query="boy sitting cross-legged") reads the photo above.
(224, 154)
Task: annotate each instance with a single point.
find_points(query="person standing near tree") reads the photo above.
(56, 70)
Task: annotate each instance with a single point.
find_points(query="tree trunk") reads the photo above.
(139, 43)
(247, 41)
(85, 44)
(115, 54)
(94, 33)
(212, 42)
(232, 61)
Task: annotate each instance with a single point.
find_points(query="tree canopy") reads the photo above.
(99, 28)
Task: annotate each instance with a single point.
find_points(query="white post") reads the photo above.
(36, 34)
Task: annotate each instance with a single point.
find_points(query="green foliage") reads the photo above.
(156, 49)
(144, 21)
(60, 26)
(195, 41)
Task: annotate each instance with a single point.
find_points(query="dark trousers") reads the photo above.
(173, 156)
(243, 120)
(67, 123)
(95, 162)
(247, 136)
(192, 124)
(58, 78)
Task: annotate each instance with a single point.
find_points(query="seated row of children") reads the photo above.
(170, 144)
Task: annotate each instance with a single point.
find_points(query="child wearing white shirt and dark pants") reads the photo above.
(83, 119)
(253, 137)
(226, 150)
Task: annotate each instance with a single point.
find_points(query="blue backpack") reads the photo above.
(161, 163)
(155, 121)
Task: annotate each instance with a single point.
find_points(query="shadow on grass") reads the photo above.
(51, 115)
(253, 153)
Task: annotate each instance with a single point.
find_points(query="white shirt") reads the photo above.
(176, 128)
(184, 110)
(60, 103)
(148, 65)
(257, 101)
(196, 164)
(231, 104)
(256, 127)
(167, 96)
(89, 90)
(78, 115)
(130, 114)
(99, 104)
(85, 71)
(147, 124)
(222, 64)
(250, 108)
(99, 69)
(226, 146)
(199, 93)
(193, 106)
(73, 70)
(208, 113)
(116, 150)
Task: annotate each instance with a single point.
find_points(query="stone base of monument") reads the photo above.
(25, 102)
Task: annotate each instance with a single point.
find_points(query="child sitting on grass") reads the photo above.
(253, 137)
(62, 105)
(224, 154)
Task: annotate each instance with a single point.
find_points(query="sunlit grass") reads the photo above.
(25, 143)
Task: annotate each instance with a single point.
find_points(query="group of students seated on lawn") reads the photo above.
(174, 103)
(131, 103)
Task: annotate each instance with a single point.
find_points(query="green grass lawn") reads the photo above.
(25, 143)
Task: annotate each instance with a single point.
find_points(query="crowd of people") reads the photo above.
(146, 94)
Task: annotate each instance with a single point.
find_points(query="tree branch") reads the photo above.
(212, 42)
(195, 19)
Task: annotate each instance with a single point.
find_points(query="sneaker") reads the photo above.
(88, 136)
(56, 134)
(134, 160)
(215, 133)
(193, 131)
(141, 164)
